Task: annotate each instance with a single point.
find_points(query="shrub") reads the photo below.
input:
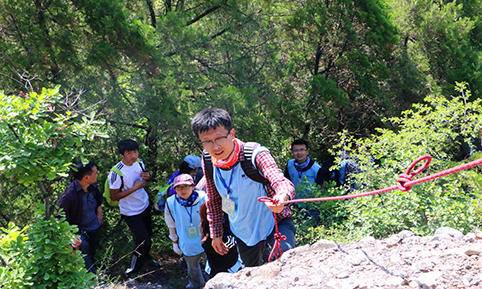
(41, 256)
(448, 129)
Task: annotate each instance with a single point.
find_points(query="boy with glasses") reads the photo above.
(236, 174)
(305, 173)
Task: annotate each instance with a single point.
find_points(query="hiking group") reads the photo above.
(210, 204)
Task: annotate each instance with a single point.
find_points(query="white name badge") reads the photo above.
(192, 232)
(228, 206)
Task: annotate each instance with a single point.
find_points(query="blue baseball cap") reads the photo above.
(193, 161)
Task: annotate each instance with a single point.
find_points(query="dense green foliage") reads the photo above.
(443, 127)
(303, 68)
(440, 127)
(346, 75)
(41, 256)
(444, 38)
(39, 138)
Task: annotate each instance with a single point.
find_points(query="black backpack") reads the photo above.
(245, 159)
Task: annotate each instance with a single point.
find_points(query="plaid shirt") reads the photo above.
(278, 185)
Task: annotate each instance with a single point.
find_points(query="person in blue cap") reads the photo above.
(191, 165)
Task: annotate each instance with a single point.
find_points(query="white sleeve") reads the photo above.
(171, 225)
(173, 235)
(168, 218)
(114, 181)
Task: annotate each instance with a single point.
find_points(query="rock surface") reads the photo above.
(446, 260)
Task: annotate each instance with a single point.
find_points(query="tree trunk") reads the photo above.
(168, 5)
(152, 142)
(152, 13)
(46, 195)
(54, 67)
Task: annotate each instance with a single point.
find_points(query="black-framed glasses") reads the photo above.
(219, 141)
(298, 150)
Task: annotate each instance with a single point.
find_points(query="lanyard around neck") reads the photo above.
(223, 181)
(190, 214)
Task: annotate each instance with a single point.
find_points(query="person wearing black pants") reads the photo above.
(218, 263)
(252, 255)
(141, 228)
(88, 247)
(237, 173)
(126, 183)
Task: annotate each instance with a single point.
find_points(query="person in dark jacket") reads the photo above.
(82, 204)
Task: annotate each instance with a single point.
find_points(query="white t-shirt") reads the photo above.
(138, 201)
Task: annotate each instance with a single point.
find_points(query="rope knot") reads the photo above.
(279, 237)
(405, 179)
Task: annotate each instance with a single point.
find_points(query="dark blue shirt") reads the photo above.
(89, 221)
(72, 204)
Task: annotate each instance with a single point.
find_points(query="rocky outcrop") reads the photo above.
(448, 259)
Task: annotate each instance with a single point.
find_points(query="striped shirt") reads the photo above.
(278, 185)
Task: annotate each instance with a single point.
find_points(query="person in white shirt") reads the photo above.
(128, 189)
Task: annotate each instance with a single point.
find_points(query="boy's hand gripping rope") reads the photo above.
(405, 183)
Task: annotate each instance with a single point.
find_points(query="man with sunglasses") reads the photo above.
(230, 189)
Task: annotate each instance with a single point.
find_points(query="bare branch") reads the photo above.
(15, 133)
(134, 125)
(203, 14)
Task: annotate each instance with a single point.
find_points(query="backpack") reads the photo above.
(245, 159)
(161, 198)
(106, 193)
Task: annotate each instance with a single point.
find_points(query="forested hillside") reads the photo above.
(382, 82)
